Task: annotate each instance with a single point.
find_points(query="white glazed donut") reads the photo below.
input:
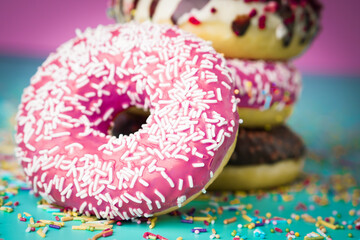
(247, 29)
(72, 100)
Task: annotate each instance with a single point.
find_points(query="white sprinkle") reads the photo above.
(108, 113)
(191, 183)
(60, 134)
(170, 181)
(158, 204)
(54, 149)
(143, 182)
(162, 198)
(198, 165)
(182, 157)
(218, 94)
(180, 184)
(226, 85)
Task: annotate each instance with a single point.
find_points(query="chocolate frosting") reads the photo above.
(153, 6)
(185, 6)
(255, 146)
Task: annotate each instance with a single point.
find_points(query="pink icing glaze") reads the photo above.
(260, 84)
(66, 112)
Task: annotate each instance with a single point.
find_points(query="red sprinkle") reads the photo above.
(256, 212)
(22, 219)
(262, 21)
(278, 230)
(146, 234)
(301, 206)
(194, 21)
(252, 13)
(32, 229)
(108, 233)
(289, 20)
(16, 203)
(357, 226)
(206, 223)
(271, 7)
(118, 223)
(213, 10)
(57, 218)
(6, 197)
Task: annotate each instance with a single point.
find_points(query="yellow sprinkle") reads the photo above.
(297, 234)
(65, 219)
(352, 212)
(201, 219)
(179, 238)
(268, 215)
(61, 224)
(308, 218)
(36, 225)
(326, 224)
(332, 220)
(246, 217)
(79, 227)
(84, 218)
(8, 203)
(249, 206)
(32, 220)
(235, 201)
(314, 238)
(287, 198)
(152, 222)
(41, 233)
(19, 215)
(95, 228)
(240, 194)
(96, 225)
(27, 214)
(230, 220)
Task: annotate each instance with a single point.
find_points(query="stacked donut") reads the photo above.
(63, 144)
(258, 37)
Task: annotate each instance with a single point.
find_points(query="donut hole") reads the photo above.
(128, 122)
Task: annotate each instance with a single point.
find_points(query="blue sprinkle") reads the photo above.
(267, 102)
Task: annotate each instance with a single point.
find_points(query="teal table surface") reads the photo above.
(327, 117)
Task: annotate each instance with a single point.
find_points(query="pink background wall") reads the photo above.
(37, 27)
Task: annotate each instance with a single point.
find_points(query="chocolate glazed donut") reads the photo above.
(263, 159)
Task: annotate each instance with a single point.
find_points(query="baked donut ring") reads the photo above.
(248, 29)
(263, 159)
(266, 91)
(65, 113)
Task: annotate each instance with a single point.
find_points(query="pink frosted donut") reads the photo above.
(72, 100)
(266, 91)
